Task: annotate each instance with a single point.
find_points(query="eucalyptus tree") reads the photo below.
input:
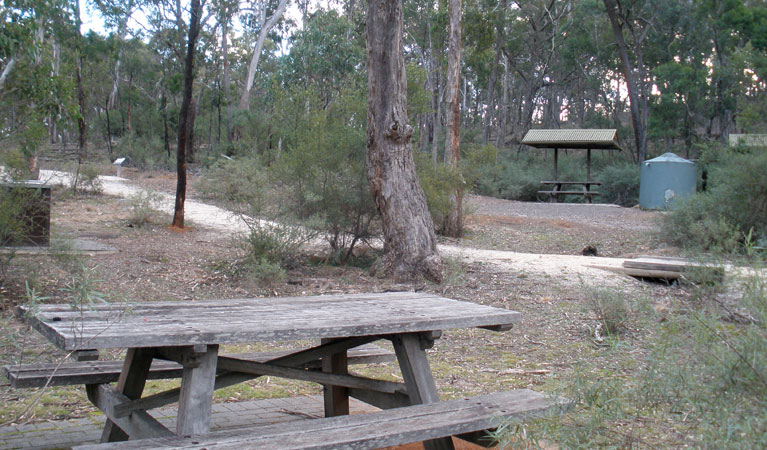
(453, 223)
(35, 93)
(266, 17)
(410, 246)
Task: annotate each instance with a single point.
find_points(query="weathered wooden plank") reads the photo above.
(335, 398)
(97, 372)
(296, 359)
(418, 379)
(367, 431)
(380, 399)
(85, 355)
(680, 265)
(640, 273)
(260, 369)
(138, 424)
(130, 384)
(250, 320)
(196, 396)
(83, 372)
(597, 183)
(584, 193)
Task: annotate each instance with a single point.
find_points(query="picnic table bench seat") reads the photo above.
(561, 188)
(467, 418)
(98, 372)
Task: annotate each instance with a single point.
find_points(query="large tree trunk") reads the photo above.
(183, 119)
(453, 224)
(637, 101)
(410, 246)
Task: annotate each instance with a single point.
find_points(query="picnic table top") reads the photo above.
(233, 321)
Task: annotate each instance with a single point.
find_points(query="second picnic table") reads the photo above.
(190, 334)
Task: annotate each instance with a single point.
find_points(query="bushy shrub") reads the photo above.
(15, 165)
(86, 179)
(13, 227)
(620, 184)
(141, 207)
(518, 177)
(701, 384)
(609, 307)
(439, 182)
(733, 206)
(145, 151)
(321, 174)
(273, 232)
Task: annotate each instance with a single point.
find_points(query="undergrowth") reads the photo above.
(702, 383)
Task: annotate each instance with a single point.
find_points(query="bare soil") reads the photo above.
(556, 336)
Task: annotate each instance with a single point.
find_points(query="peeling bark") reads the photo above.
(410, 246)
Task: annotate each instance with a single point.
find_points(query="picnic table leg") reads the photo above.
(336, 397)
(131, 384)
(418, 379)
(554, 196)
(196, 398)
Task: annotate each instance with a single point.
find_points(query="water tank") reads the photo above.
(665, 180)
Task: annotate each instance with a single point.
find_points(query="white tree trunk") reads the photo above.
(266, 26)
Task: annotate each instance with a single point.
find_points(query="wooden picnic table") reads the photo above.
(190, 333)
(563, 188)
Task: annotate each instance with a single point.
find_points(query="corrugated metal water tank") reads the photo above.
(665, 180)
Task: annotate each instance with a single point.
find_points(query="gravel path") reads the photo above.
(567, 268)
(596, 214)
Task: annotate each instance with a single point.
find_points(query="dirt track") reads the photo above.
(573, 268)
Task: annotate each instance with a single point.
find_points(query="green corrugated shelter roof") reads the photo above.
(606, 139)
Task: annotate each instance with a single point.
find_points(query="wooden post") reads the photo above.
(131, 384)
(556, 159)
(418, 379)
(196, 397)
(336, 397)
(588, 166)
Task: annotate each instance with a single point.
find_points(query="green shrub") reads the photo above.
(13, 227)
(609, 307)
(518, 176)
(321, 174)
(141, 210)
(733, 206)
(86, 179)
(145, 151)
(273, 233)
(620, 184)
(439, 182)
(702, 384)
(264, 272)
(16, 165)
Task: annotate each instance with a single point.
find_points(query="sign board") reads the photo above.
(119, 161)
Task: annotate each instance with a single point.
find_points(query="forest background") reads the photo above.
(292, 87)
(278, 112)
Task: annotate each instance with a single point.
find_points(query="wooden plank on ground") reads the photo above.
(679, 265)
(639, 273)
(367, 431)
